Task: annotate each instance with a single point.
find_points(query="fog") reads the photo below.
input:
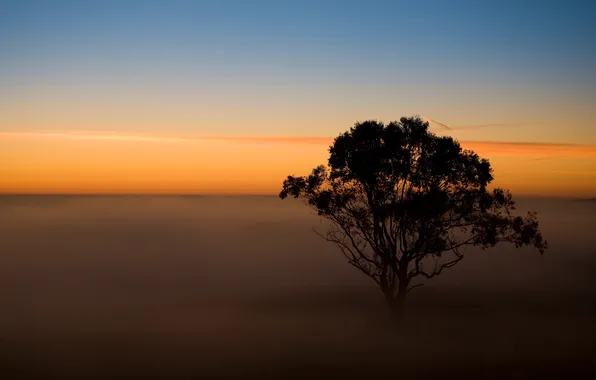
(176, 287)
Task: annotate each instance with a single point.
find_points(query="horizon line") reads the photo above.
(135, 194)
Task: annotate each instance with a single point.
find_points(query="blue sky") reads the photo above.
(461, 62)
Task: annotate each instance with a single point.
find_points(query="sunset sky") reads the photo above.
(232, 96)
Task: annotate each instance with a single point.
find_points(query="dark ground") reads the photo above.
(240, 287)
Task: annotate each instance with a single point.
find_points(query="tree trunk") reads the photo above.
(397, 302)
(397, 306)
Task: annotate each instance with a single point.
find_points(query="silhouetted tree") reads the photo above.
(404, 202)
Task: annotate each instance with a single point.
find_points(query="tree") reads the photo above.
(403, 202)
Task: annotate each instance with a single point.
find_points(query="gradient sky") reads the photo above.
(127, 96)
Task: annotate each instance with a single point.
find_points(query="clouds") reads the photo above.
(429, 120)
(116, 136)
(111, 162)
(574, 172)
(466, 127)
(537, 150)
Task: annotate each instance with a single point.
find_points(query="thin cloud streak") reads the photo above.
(538, 150)
(429, 120)
(465, 127)
(115, 136)
(548, 158)
(573, 172)
(478, 126)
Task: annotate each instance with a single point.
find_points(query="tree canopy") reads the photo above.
(403, 202)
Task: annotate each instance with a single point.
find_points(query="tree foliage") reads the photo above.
(403, 202)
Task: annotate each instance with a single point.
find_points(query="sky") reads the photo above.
(232, 96)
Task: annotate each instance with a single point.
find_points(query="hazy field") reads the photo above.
(187, 286)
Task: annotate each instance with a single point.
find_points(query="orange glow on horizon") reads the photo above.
(110, 162)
